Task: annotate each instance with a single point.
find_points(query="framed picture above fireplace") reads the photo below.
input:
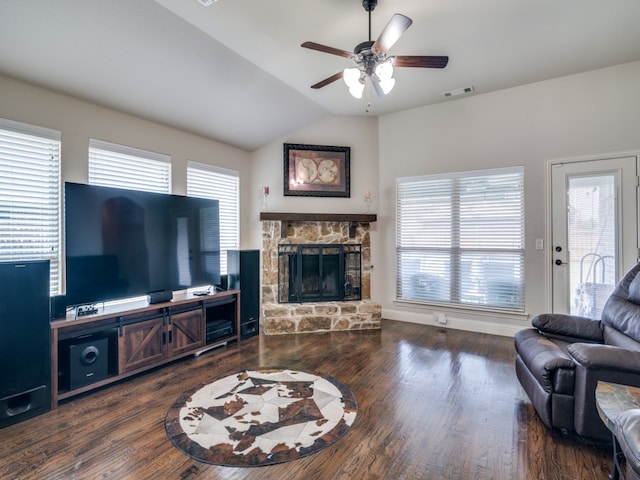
(316, 170)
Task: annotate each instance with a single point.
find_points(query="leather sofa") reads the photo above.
(560, 361)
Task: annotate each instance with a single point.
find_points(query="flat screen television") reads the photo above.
(124, 243)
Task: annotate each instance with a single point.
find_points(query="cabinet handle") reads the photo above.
(170, 336)
(164, 338)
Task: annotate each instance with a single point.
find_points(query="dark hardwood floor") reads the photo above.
(433, 404)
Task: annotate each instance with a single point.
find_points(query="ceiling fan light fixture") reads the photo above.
(384, 72)
(356, 91)
(353, 79)
(387, 84)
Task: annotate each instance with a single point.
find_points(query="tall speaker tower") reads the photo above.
(243, 270)
(25, 345)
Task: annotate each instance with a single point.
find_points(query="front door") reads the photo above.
(594, 231)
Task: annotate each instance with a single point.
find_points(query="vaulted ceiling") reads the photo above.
(234, 71)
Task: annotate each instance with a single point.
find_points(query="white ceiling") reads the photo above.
(235, 71)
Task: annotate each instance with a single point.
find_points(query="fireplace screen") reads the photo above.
(319, 273)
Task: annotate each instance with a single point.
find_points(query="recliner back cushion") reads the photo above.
(618, 339)
(634, 290)
(622, 310)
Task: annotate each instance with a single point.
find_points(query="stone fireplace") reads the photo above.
(316, 273)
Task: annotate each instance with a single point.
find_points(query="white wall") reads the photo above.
(581, 115)
(79, 120)
(358, 133)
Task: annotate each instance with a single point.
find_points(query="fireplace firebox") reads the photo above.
(319, 273)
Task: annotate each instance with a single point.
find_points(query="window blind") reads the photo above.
(207, 181)
(112, 165)
(460, 239)
(30, 196)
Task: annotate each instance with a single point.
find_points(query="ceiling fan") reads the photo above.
(371, 57)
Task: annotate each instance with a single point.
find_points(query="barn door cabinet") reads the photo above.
(154, 338)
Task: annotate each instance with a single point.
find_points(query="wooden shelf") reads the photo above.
(286, 218)
(318, 217)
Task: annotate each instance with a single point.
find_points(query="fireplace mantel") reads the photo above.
(318, 217)
(352, 218)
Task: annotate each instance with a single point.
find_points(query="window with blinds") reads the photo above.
(460, 239)
(207, 181)
(30, 195)
(119, 166)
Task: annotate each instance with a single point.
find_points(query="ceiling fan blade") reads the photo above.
(328, 80)
(325, 49)
(421, 61)
(392, 32)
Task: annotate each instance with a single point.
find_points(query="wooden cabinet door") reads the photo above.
(141, 344)
(185, 332)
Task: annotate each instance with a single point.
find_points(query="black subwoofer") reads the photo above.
(88, 361)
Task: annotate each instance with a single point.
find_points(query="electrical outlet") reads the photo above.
(440, 317)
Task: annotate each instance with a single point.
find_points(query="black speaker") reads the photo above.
(25, 345)
(58, 307)
(160, 296)
(243, 272)
(88, 361)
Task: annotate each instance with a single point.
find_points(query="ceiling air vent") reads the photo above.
(206, 3)
(457, 92)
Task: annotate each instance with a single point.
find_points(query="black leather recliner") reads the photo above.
(561, 360)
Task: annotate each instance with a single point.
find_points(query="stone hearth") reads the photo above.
(282, 318)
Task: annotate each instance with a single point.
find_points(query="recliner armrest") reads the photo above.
(549, 364)
(569, 327)
(605, 357)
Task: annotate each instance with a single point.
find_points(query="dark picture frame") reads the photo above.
(316, 171)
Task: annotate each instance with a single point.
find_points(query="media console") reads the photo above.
(92, 351)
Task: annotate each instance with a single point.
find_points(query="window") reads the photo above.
(460, 239)
(30, 196)
(118, 166)
(220, 184)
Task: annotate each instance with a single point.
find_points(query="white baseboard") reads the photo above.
(503, 326)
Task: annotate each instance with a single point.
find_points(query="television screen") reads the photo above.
(123, 243)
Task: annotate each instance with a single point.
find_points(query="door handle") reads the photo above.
(559, 262)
